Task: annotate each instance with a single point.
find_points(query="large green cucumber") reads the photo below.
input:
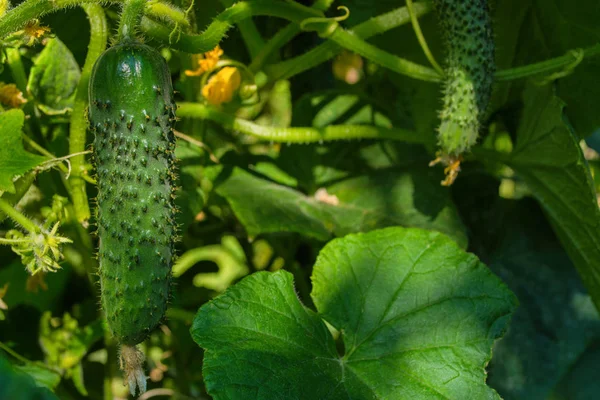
(131, 112)
(470, 68)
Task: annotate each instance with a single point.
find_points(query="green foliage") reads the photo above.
(389, 293)
(64, 344)
(14, 160)
(556, 321)
(319, 256)
(393, 197)
(548, 157)
(53, 78)
(17, 384)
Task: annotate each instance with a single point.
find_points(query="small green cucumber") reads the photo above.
(470, 67)
(131, 113)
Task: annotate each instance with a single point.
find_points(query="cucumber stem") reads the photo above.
(131, 17)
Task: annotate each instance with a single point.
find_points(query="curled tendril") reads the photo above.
(189, 9)
(332, 23)
(578, 56)
(175, 34)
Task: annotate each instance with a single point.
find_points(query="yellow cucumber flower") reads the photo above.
(221, 87)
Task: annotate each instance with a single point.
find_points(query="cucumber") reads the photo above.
(131, 112)
(470, 67)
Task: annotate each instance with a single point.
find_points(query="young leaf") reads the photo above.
(54, 78)
(408, 301)
(14, 160)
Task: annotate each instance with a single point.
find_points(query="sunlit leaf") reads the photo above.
(406, 301)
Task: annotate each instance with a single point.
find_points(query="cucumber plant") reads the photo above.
(131, 113)
(397, 290)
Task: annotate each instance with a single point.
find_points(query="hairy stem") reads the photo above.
(78, 127)
(19, 218)
(22, 185)
(297, 134)
(31, 9)
(17, 17)
(167, 12)
(217, 29)
(131, 17)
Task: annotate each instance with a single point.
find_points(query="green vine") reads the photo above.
(569, 61)
(18, 218)
(78, 126)
(215, 32)
(28, 10)
(353, 40)
(167, 13)
(282, 37)
(397, 64)
(250, 34)
(298, 134)
(320, 54)
(421, 38)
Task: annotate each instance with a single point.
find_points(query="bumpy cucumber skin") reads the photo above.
(131, 112)
(470, 68)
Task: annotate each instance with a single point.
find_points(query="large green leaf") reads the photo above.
(416, 313)
(14, 160)
(407, 197)
(54, 78)
(548, 157)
